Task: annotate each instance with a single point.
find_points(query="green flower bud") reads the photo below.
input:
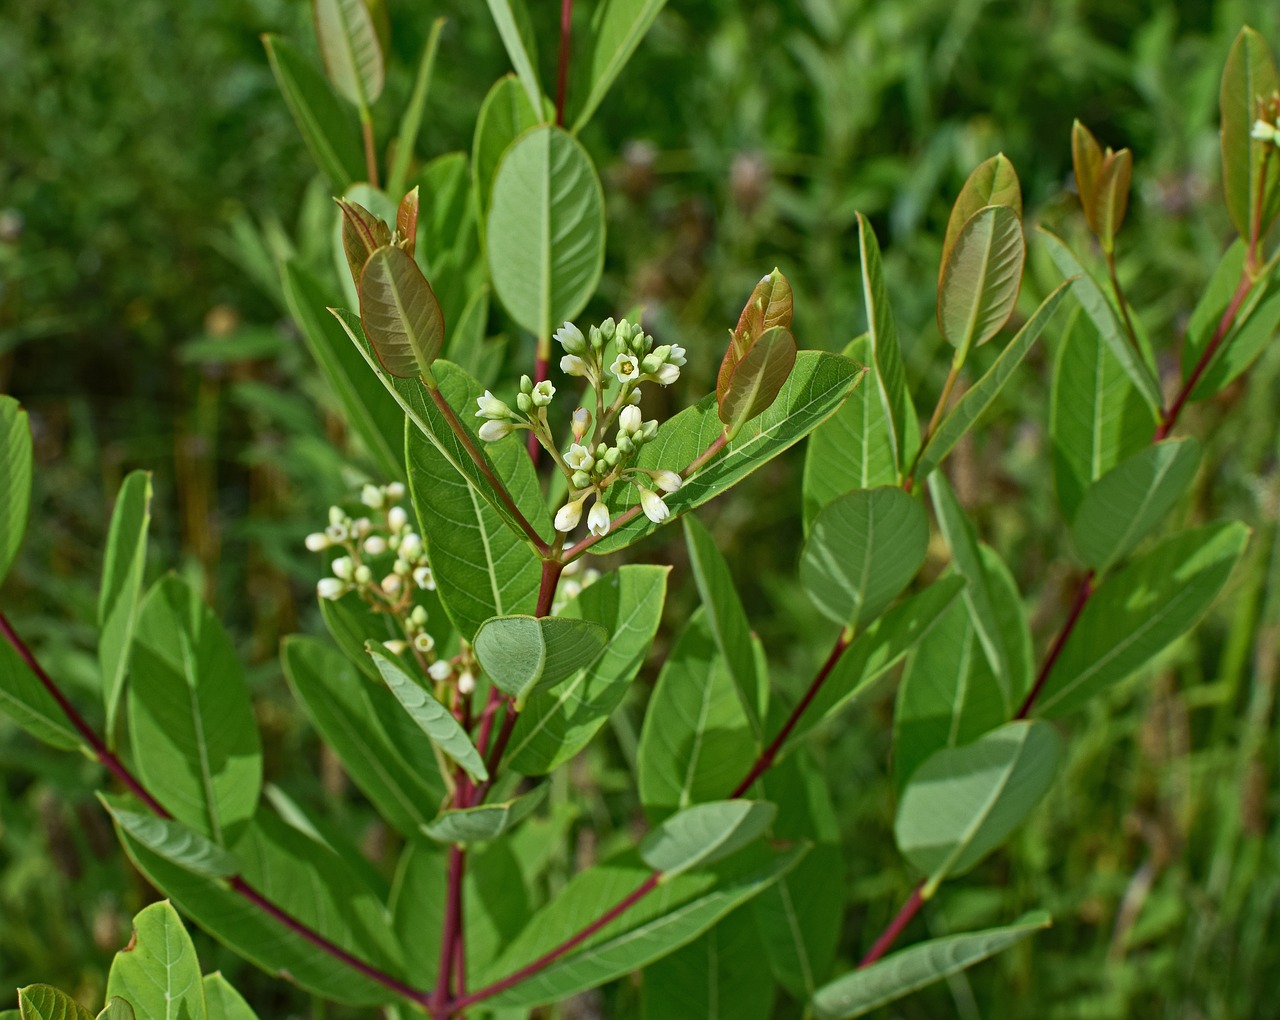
(612, 456)
(524, 402)
(626, 445)
(607, 329)
(580, 479)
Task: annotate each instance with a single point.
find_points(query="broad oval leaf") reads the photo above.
(436, 721)
(15, 479)
(908, 970)
(1139, 611)
(122, 568)
(400, 314)
(545, 231)
(504, 116)
(993, 182)
(350, 49)
(864, 547)
(757, 379)
(981, 278)
(223, 1002)
(1250, 74)
(488, 821)
(171, 840)
(962, 802)
(522, 653)
(1121, 507)
(44, 1002)
(705, 833)
(158, 972)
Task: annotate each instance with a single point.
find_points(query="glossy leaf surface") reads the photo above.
(158, 972)
(981, 278)
(122, 569)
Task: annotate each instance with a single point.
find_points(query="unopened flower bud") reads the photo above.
(598, 519)
(375, 545)
(630, 420)
(363, 575)
(372, 497)
(612, 456)
(391, 584)
(419, 616)
(667, 481)
(491, 407)
(571, 339)
(336, 516)
(580, 479)
(395, 492)
(440, 670)
(317, 541)
(568, 516)
(466, 682)
(411, 545)
(666, 375)
(342, 567)
(581, 423)
(524, 403)
(625, 445)
(396, 647)
(573, 365)
(330, 588)
(650, 429)
(397, 518)
(607, 329)
(492, 431)
(654, 508)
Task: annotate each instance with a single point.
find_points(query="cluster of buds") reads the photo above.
(530, 411)
(636, 359)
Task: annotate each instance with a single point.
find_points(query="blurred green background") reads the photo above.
(149, 173)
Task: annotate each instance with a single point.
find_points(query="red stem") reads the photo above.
(562, 73)
(1083, 594)
(890, 934)
(452, 935)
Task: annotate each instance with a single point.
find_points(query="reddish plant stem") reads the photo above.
(891, 933)
(370, 148)
(770, 753)
(562, 70)
(550, 957)
(1083, 594)
(442, 997)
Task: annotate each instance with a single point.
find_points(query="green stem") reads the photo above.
(370, 146)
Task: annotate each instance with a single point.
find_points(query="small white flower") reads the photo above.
(372, 497)
(598, 519)
(317, 541)
(396, 647)
(342, 568)
(542, 393)
(336, 516)
(411, 545)
(424, 643)
(395, 492)
(667, 374)
(571, 364)
(625, 367)
(424, 579)
(397, 518)
(466, 682)
(360, 527)
(1264, 132)
(375, 545)
(440, 670)
(492, 431)
(634, 398)
(654, 508)
(391, 584)
(630, 420)
(330, 588)
(491, 407)
(667, 481)
(570, 338)
(568, 516)
(676, 356)
(579, 458)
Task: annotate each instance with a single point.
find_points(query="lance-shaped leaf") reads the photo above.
(522, 653)
(223, 1002)
(770, 304)
(1086, 161)
(512, 21)
(981, 278)
(504, 116)
(363, 233)
(158, 972)
(617, 28)
(328, 128)
(400, 314)
(863, 548)
(545, 232)
(15, 479)
(757, 379)
(1121, 507)
(436, 721)
(350, 49)
(118, 1009)
(993, 182)
(44, 1002)
(1111, 199)
(121, 582)
(705, 833)
(407, 222)
(1248, 79)
(890, 374)
(488, 821)
(908, 970)
(964, 801)
(169, 839)
(1140, 610)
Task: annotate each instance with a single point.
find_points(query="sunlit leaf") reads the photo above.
(158, 971)
(504, 116)
(993, 182)
(981, 278)
(223, 1002)
(350, 49)
(44, 1002)
(757, 379)
(400, 314)
(122, 569)
(515, 29)
(770, 304)
(704, 833)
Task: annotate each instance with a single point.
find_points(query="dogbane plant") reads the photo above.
(468, 667)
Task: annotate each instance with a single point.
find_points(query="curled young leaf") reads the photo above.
(1086, 159)
(400, 314)
(757, 379)
(993, 182)
(1111, 200)
(362, 234)
(407, 222)
(770, 305)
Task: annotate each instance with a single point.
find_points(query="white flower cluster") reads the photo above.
(1265, 131)
(501, 420)
(637, 360)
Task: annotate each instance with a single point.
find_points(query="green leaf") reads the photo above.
(523, 653)
(877, 650)
(328, 128)
(489, 821)
(728, 620)
(617, 28)
(1086, 162)
(909, 970)
(223, 1002)
(979, 396)
(350, 49)
(411, 118)
(306, 880)
(1103, 316)
(757, 379)
(853, 449)
(504, 116)
(1112, 196)
(705, 833)
(15, 479)
(447, 223)
(366, 407)
(436, 721)
(717, 976)
(400, 314)
(513, 26)
(817, 387)
(118, 1009)
(1249, 75)
(980, 281)
(886, 356)
(171, 840)
(696, 742)
(380, 746)
(122, 568)
(28, 702)
(993, 182)
(545, 230)
(674, 914)
(44, 1002)
(1096, 417)
(194, 735)
(352, 624)
(963, 802)
(558, 721)
(158, 972)
(863, 548)
(1139, 611)
(1121, 507)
